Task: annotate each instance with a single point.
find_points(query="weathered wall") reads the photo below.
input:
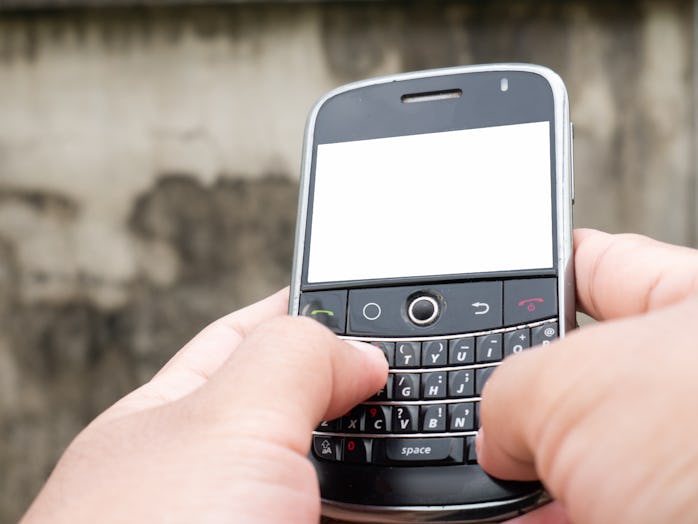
(148, 165)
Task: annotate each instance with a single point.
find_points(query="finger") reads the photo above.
(552, 513)
(289, 374)
(192, 365)
(543, 411)
(204, 354)
(624, 275)
(530, 397)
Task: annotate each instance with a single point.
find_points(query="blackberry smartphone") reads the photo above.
(434, 221)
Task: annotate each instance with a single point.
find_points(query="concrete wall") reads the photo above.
(149, 161)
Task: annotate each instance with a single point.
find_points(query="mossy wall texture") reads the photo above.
(149, 161)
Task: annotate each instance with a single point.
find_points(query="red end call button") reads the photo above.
(530, 299)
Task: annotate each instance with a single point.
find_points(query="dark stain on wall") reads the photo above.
(221, 229)
(50, 203)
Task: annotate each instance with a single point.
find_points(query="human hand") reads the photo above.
(606, 418)
(221, 433)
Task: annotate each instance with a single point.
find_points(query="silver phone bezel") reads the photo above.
(565, 266)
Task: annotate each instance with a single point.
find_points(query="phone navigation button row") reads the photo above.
(440, 309)
(436, 310)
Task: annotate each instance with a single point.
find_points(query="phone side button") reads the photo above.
(441, 450)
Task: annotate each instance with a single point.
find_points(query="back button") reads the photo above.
(473, 306)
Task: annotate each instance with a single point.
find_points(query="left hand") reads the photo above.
(221, 433)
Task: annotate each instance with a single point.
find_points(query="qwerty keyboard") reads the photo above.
(428, 410)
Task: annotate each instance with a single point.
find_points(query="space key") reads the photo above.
(443, 450)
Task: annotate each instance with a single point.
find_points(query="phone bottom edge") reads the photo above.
(492, 511)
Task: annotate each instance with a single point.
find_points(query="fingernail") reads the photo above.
(367, 348)
(363, 346)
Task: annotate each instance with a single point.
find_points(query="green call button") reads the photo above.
(327, 307)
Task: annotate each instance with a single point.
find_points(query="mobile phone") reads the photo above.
(434, 221)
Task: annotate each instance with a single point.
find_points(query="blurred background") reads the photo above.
(149, 158)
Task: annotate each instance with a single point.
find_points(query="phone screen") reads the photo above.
(453, 202)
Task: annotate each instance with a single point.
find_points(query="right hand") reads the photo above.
(607, 417)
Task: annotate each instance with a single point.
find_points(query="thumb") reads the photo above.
(288, 375)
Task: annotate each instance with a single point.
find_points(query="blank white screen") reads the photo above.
(469, 201)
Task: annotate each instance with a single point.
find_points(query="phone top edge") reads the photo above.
(554, 80)
(551, 76)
